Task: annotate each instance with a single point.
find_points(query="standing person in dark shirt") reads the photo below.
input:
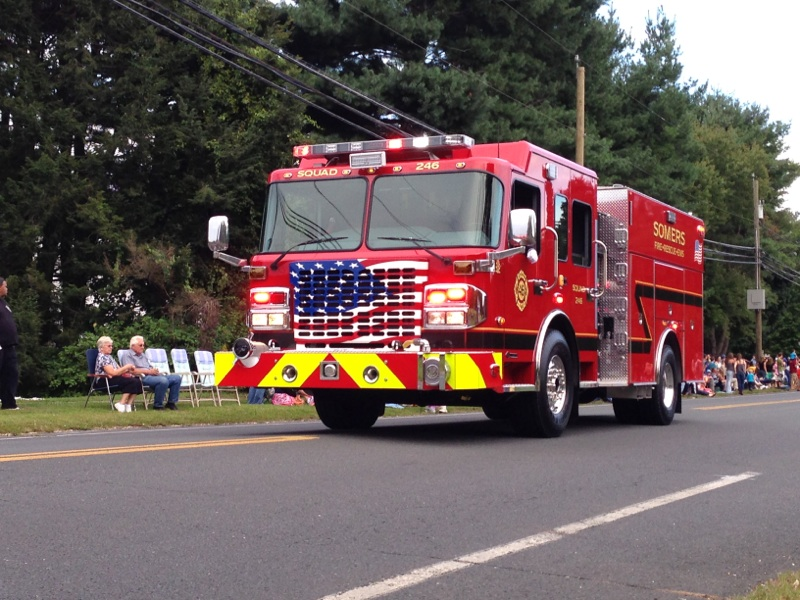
(9, 368)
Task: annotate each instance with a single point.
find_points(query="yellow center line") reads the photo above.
(153, 448)
(748, 404)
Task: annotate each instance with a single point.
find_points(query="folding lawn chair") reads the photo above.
(98, 383)
(181, 366)
(207, 370)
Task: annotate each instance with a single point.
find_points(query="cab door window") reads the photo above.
(524, 195)
(562, 226)
(581, 234)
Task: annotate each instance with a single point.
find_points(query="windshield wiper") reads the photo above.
(418, 242)
(320, 240)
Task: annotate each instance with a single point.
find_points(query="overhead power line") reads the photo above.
(177, 26)
(191, 28)
(746, 255)
(235, 65)
(306, 66)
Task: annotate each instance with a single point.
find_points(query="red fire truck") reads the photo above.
(437, 271)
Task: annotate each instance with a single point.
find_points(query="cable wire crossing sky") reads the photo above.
(744, 53)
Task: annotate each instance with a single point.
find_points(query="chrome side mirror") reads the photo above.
(218, 233)
(523, 227)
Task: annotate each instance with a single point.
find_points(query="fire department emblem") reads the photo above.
(521, 290)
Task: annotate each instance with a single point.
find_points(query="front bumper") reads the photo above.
(357, 369)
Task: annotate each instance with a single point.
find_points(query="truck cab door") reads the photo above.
(574, 223)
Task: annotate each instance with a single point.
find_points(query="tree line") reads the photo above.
(119, 138)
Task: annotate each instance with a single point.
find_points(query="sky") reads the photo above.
(746, 51)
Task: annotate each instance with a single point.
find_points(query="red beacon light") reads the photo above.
(301, 151)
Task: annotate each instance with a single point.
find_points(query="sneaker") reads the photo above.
(158, 408)
(442, 409)
(128, 408)
(120, 406)
(171, 406)
(11, 408)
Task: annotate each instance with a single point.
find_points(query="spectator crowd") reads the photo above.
(733, 373)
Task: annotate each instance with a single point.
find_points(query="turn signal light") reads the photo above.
(450, 294)
(262, 296)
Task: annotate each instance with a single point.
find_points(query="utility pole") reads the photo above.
(757, 225)
(580, 109)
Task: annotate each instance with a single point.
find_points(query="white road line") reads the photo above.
(417, 576)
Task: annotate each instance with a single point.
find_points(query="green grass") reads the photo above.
(784, 587)
(68, 414)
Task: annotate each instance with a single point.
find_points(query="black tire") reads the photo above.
(347, 410)
(626, 410)
(546, 413)
(660, 408)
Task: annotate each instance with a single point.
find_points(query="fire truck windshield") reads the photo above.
(435, 210)
(315, 215)
(406, 211)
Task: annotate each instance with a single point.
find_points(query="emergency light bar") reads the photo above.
(376, 146)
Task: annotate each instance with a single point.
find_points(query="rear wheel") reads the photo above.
(546, 413)
(660, 408)
(345, 409)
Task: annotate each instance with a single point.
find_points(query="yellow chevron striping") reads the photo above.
(305, 363)
(466, 374)
(223, 363)
(354, 365)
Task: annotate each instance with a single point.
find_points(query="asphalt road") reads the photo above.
(441, 506)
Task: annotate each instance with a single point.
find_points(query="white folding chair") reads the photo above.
(158, 358)
(181, 366)
(204, 375)
(224, 392)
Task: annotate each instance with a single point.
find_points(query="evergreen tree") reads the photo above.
(117, 143)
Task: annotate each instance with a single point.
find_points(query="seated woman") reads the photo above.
(121, 377)
(706, 387)
(280, 398)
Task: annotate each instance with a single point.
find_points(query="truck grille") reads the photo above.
(348, 302)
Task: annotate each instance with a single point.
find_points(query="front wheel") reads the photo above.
(546, 413)
(345, 409)
(660, 408)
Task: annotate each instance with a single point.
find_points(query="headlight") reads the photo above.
(457, 306)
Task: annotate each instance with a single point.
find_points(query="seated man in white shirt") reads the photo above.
(152, 377)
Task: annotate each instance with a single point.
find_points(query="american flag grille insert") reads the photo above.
(341, 300)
